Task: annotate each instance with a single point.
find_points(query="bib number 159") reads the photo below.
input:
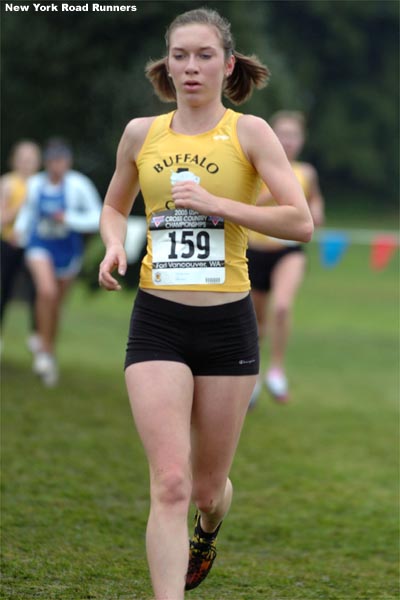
(190, 244)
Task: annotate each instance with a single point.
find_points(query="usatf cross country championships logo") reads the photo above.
(157, 221)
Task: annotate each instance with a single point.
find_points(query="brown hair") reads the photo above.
(293, 115)
(248, 73)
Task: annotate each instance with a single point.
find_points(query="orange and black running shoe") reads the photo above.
(202, 553)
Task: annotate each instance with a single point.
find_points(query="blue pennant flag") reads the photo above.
(332, 247)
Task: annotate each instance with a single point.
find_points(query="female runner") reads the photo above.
(276, 267)
(192, 355)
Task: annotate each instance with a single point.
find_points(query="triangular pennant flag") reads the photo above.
(332, 247)
(382, 250)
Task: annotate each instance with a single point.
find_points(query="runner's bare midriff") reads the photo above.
(197, 298)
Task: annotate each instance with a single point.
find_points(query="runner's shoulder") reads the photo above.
(136, 131)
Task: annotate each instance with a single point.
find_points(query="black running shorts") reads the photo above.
(211, 340)
(262, 264)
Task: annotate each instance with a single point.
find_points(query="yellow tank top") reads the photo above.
(261, 241)
(15, 200)
(186, 250)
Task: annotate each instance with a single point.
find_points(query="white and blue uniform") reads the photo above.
(43, 235)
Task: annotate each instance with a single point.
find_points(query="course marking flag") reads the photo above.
(383, 248)
(333, 245)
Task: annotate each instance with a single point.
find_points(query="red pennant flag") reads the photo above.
(382, 250)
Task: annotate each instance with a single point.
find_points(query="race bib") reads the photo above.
(188, 248)
(48, 228)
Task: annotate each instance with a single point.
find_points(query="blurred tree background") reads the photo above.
(81, 75)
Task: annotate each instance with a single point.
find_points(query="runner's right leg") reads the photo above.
(161, 395)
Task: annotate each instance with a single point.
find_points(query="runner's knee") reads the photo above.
(208, 495)
(47, 292)
(172, 486)
(282, 308)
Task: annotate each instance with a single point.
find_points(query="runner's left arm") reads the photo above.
(289, 219)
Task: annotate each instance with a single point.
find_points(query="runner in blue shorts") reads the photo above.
(61, 205)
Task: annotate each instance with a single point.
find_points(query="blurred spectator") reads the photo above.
(61, 205)
(25, 160)
(276, 267)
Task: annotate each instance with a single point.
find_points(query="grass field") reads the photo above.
(315, 513)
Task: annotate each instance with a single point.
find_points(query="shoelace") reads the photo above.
(201, 549)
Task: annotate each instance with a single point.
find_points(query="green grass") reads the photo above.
(315, 512)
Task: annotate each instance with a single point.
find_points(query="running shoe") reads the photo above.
(34, 343)
(202, 553)
(277, 384)
(45, 366)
